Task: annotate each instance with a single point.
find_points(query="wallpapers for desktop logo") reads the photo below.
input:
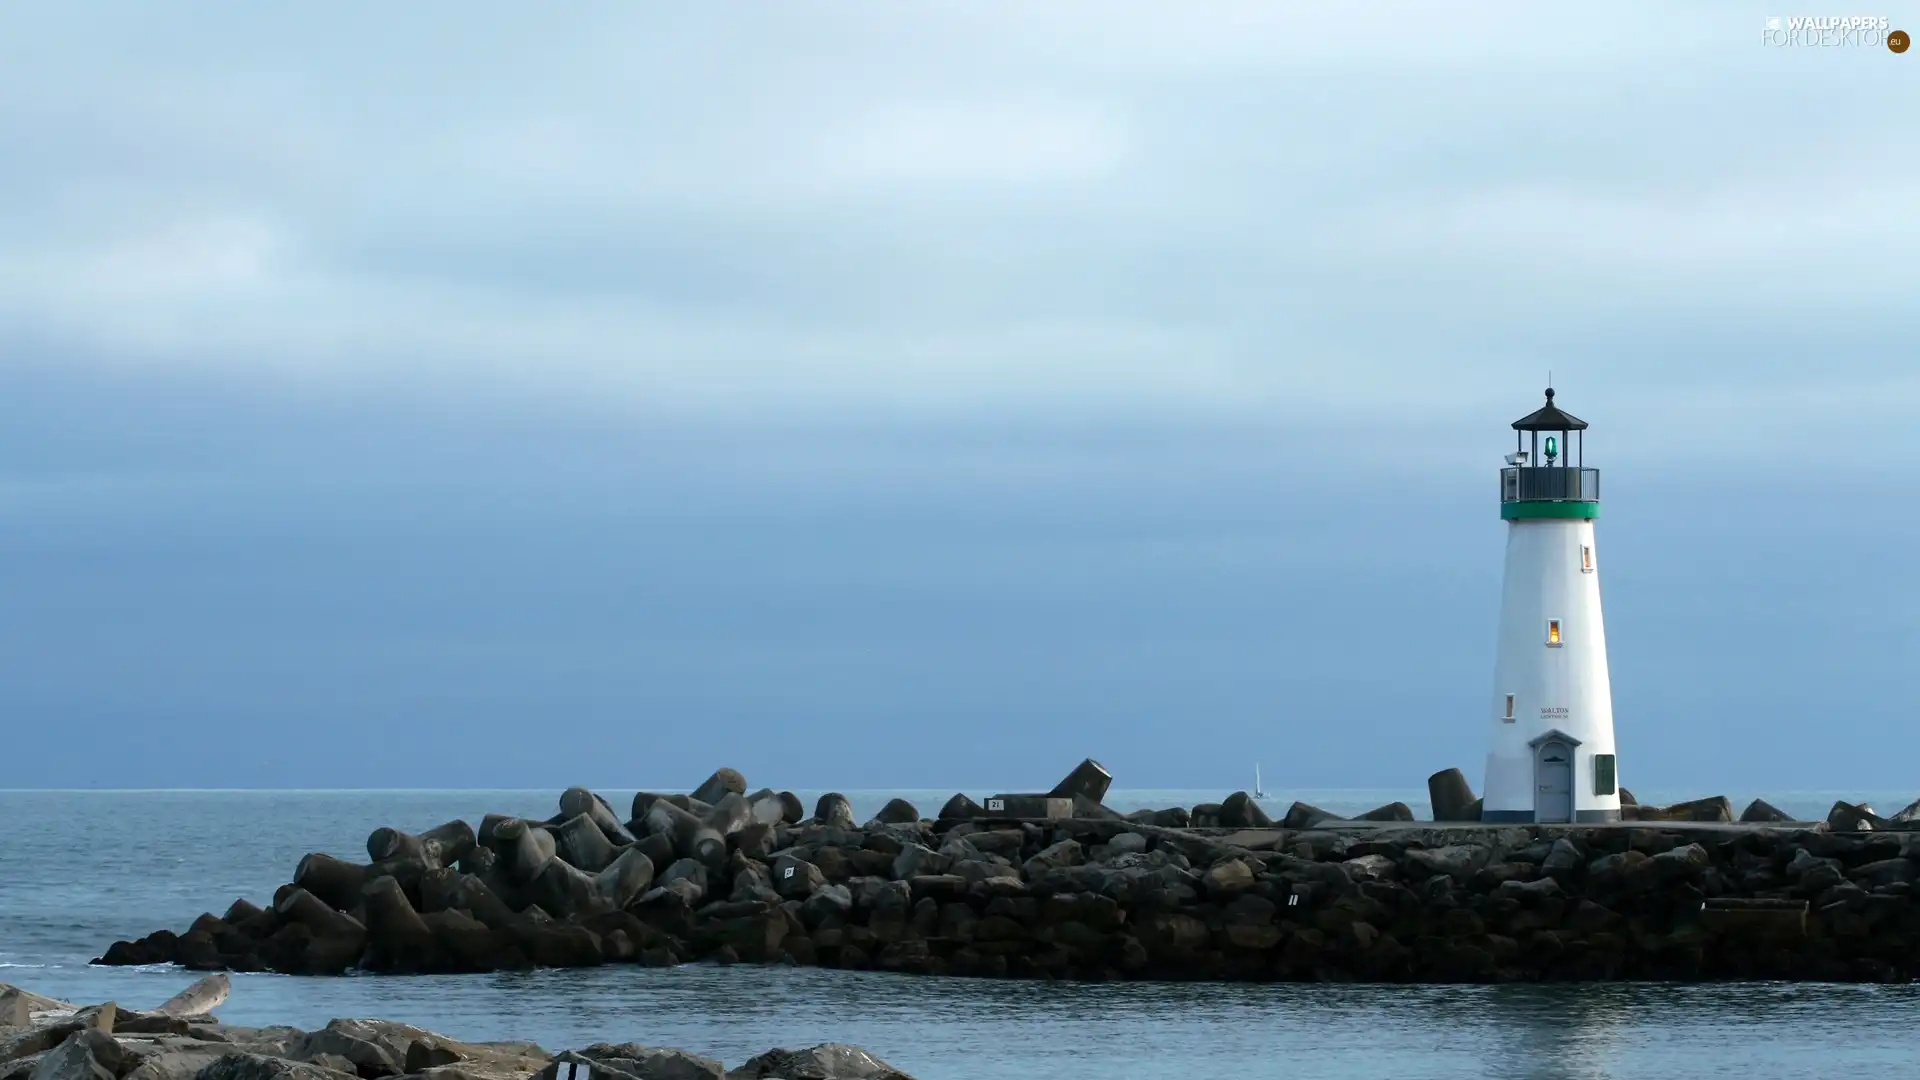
(1831, 31)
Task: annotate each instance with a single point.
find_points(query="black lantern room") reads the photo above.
(1546, 475)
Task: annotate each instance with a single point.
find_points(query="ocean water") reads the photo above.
(80, 869)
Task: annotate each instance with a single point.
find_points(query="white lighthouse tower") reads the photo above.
(1551, 756)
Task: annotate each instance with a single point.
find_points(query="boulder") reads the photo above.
(960, 808)
(1240, 811)
(833, 809)
(1909, 813)
(199, 999)
(576, 801)
(1760, 811)
(87, 1054)
(634, 1061)
(582, 844)
(1088, 780)
(240, 1065)
(1228, 878)
(524, 849)
(1305, 816)
(1064, 853)
(1452, 797)
(796, 878)
(898, 812)
(829, 1061)
(1393, 811)
(442, 845)
(1846, 817)
(723, 782)
(1457, 861)
(917, 859)
(1717, 808)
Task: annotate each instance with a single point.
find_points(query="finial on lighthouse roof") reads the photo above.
(1549, 417)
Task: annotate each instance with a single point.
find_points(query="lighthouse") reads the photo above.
(1551, 756)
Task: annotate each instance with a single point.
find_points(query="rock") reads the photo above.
(721, 783)
(524, 849)
(1804, 861)
(1457, 861)
(795, 878)
(199, 999)
(442, 845)
(1759, 810)
(583, 845)
(1370, 868)
(1846, 817)
(87, 1054)
(1564, 857)
(1064, 853)
(918, 859)
(833, 809)
(1627, 799)
(1911, 812)
(636, 1061)
(1228, 878)
(1304, 816)
(826, 901)
(1883, 872)
(239, 1065)
(1717, 808)
(17, 1044)
(1240, 811)
(898, 812)
(1452, 796)
(1088, 780)
(1393, 811)
(960, 808)
(829, 1061)
(1126, 843)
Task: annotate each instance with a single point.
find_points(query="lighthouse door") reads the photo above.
(1553, 782)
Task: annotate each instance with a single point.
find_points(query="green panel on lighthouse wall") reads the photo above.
(1515, 511)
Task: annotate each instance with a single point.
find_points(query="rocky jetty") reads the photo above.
(44, 1039)
(1056, 885)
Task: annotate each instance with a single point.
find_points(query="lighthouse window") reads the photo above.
(1586, 559)
(1509, 717)
(1604, 781)
(1553, 633)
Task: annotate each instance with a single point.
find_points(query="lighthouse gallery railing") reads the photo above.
(1549, 483)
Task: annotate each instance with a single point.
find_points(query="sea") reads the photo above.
(79, 869)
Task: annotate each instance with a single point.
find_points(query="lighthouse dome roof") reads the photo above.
(1550, 418)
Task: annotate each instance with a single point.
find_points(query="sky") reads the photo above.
(931, 395)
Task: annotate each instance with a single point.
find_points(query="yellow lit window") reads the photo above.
(1553, 633)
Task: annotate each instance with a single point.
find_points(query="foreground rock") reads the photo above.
(54, 1040)
(1217, 891)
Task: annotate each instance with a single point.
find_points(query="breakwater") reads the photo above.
(45, 1039)
(1054, 885)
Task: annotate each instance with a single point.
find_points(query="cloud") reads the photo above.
(956, 209)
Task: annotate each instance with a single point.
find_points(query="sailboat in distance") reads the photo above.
(1257, 792)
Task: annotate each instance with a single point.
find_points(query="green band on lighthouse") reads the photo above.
(1518, 511)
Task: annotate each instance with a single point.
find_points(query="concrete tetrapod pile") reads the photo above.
(1217, 891)
(44, 1039)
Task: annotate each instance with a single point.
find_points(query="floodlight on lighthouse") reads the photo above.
(1518, 457)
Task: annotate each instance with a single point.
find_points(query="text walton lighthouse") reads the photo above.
(1551, 757)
